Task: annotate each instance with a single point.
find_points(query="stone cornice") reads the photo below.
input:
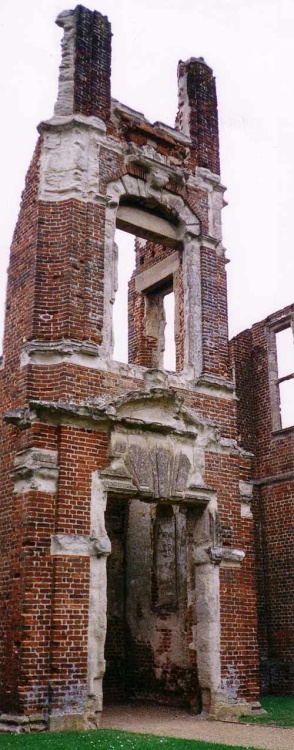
(156, 410)
(62, 122)
(128, 411)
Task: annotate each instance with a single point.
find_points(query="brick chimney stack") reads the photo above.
(84, 80)
(197, 113)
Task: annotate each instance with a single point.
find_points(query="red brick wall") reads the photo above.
(239, 649)
(92, 64)
(20, 296)
(18, 327)
(214, 313)
(69, 271)
(273, 502)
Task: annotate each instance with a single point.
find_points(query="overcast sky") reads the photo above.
(249, 45)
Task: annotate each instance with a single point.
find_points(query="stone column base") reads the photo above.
(66, 722)
(73, 722)
(232, 711)
(13, 724)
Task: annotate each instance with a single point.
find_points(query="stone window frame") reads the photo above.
(186, 236)
(275, 381)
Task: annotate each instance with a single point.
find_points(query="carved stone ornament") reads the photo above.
(157, 449)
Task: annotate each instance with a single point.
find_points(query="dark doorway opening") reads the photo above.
(114, 683)
(147, 651)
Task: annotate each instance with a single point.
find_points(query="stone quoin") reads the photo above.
(145, 513)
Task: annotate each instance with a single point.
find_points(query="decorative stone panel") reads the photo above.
(35, 469)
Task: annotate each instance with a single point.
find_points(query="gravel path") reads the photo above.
(171, 722)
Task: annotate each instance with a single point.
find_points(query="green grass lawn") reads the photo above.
(104, 739)
(280, 711)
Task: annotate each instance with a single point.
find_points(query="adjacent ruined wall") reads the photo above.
(254, 358)
(98, 451)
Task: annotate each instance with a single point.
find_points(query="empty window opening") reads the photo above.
(287, 403)
(285, 352)
(169, 356)
(285, 375)
(142, 290)
(126, 264)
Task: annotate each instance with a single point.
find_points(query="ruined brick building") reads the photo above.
(189, 486)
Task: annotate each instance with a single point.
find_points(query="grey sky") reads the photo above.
(249, 44)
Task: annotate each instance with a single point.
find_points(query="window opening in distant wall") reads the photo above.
(126, 263)
(169, 354)
(285, 375)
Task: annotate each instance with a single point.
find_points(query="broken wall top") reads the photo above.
(85, 89)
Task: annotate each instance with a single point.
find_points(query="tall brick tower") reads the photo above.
(101, 456)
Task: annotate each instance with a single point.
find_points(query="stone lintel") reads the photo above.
(192, 496)
(158, 168)
(129, 218)
(157, 274)
(80, 546)
(156, 468)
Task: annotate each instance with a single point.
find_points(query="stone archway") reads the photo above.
(158, 462)
(128, 205)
